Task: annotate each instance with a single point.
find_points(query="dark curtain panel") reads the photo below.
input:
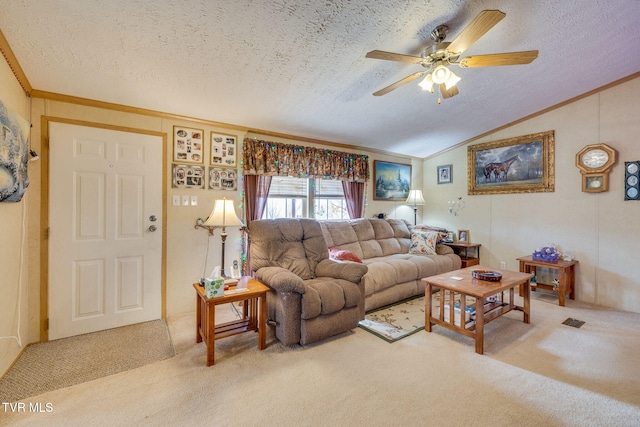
(354, 195)
(256, 191)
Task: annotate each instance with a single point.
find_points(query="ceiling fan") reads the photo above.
(438, 57)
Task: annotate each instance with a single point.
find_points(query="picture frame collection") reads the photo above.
(188, 165)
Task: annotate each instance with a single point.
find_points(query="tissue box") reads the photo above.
(214, 287)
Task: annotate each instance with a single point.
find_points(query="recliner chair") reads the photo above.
(312, 297)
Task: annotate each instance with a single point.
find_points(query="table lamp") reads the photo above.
(222, 216)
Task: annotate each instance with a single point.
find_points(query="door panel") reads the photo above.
(104, 262)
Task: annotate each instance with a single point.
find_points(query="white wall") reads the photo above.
(600, 229)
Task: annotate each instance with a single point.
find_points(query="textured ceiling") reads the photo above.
(299, 67)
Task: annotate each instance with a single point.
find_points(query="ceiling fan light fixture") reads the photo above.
(440, 74)
(451, 81)
(427, 83)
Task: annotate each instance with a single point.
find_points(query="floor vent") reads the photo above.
(573, 322)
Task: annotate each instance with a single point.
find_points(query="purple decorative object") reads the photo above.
(546, 254)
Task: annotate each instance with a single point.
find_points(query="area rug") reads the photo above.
(396, 321)
(68, 361)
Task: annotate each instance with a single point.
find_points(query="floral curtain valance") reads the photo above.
(274, 158)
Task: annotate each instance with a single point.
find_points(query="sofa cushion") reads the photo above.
(423, 242)
(325, 295)
(297, 245)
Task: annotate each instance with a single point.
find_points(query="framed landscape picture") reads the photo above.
(392, 181)
(224, 149)
(524, 164)
(188, 145)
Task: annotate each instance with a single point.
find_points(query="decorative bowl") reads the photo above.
(488, 275)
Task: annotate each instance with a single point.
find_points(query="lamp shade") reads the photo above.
(415, 198)
(223, 215)
(427, 83)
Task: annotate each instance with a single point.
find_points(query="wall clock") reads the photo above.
(595, 162)
(632, 180)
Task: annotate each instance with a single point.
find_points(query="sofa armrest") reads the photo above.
(280, 279)
(346, 270)
(444, 250)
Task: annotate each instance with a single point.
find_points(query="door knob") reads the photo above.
(153, 218)
(152, 228)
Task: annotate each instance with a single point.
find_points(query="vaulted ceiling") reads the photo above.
(299, 67)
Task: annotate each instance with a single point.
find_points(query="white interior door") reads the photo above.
(105, 198)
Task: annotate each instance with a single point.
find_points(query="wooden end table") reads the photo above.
(566, 276)
(254, 314)
(462, 250)
(467, 286)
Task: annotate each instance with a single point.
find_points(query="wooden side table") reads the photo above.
(254, 314)
(462, 249)
(566, 276)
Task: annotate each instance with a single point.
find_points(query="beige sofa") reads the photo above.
(313, 297)
(383, 246)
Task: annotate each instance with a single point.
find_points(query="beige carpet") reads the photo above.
(541, 374)
(65, 362)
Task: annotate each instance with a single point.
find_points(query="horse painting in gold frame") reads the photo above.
(524, 164)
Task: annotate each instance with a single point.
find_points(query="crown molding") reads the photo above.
(11, 59)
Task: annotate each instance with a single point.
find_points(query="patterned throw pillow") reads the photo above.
(343, 255)
(423, 242)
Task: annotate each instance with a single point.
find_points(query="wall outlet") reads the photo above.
(503, 265)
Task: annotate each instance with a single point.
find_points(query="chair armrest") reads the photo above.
(346, 270)
(444, 250)
(280, 279)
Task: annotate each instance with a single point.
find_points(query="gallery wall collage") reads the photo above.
(188, 167)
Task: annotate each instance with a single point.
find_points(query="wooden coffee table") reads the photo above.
(460, 282)
(254, 318)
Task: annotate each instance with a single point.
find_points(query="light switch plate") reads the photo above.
(185, 200)
(194, 200)
(176, 200)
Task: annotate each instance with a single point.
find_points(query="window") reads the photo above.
(329, 202)
(305, 198)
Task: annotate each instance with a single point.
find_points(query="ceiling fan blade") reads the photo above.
(448, 93)
(476, 29)
(498, 59)
(398, 83)
(390, 56)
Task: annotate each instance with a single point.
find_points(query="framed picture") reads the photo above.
(524, 164)
(188, 145)
(187, 176)
(444, 174)
(224, 149)
(223, 179)
(393, 180)
(463, 236)
(449, 238)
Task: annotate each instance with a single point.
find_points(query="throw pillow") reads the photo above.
(442, 232)
(343, 255)
(423, 242)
